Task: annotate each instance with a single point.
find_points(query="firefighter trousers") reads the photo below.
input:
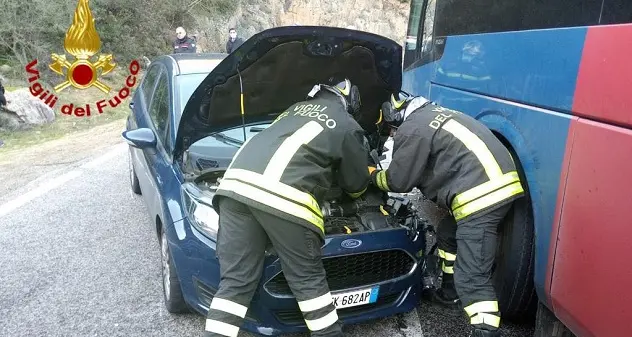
(244, 234)
(467, 252)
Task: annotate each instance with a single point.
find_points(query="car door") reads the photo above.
(140, 105)
(158, 161)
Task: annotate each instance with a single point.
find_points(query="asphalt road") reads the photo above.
(78, 257)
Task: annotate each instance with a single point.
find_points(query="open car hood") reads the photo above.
(279, 66)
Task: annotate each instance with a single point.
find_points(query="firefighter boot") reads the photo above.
(447, 295)
(485, 333)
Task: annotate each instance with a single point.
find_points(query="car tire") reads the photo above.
(514, 262)
(133, 178)
(547, 325)
(172, 292)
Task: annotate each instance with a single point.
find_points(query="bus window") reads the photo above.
(428, 27)
(410, 45)
(460, 17)
(616, 12)
(422, 52)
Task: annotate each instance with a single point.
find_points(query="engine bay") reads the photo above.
(375, 210)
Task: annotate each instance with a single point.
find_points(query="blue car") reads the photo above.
(190, 115)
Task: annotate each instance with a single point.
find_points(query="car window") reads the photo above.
(187, 85)
(159, 109)
(148, 82)
(233, 137)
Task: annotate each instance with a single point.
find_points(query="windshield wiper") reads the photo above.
(227, 139)
(256, 129)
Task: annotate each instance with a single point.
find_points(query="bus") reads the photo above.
(553, 80)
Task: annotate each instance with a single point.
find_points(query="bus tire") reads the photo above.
(514, 262)
(547, 325)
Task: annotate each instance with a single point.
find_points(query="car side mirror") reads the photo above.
(142, 138)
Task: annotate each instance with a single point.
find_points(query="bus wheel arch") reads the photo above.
(514, 264)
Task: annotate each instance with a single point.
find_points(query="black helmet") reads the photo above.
(351, 95)
(393, 110)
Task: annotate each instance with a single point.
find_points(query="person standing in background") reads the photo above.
(183, 43)
(3, 100)
(233, 41)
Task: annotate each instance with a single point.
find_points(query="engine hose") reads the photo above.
(340, 210)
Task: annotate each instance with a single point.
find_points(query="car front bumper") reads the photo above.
(388, 259)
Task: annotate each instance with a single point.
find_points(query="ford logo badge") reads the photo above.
(351, 243)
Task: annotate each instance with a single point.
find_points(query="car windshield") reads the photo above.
(187, 85)
(235, 136)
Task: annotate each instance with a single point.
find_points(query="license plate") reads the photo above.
(355, 298)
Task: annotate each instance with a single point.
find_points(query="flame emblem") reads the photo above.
(82, 41)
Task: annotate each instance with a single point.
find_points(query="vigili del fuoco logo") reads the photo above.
(82, 42)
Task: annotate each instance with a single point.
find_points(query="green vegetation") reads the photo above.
(127, 29)
(65, 124)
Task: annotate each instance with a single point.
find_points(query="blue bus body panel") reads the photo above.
(525, 99)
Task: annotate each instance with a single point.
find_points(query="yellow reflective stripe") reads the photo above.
(347, 89)
(271, 200)
(488, 200)
(357, 194)
(277, 187)
(316, 303)
(287, 150)
(221, 328)
(446, 269)
(488, 319)
(445, 255)
(396, 104)
(483, 306)
(323, 322)
(484, 188)
(380, 180)
(229, 307)
(476, 145)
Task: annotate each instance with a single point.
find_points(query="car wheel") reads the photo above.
(514, 262)
(174, 301)
(547, 325)
(133, 178)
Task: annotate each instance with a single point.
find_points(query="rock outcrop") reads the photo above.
(23, 110)
(384, 17)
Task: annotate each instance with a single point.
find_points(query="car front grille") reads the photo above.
(295, 317)
(350, 271)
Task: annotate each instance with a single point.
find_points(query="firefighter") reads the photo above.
(271, 192)
(460, 165)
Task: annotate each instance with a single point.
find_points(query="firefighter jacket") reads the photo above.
(287, 168)
(454, 160)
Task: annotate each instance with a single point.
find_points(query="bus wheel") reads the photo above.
(514, 263)
(547, 325)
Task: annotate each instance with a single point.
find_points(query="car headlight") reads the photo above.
(201, 214)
